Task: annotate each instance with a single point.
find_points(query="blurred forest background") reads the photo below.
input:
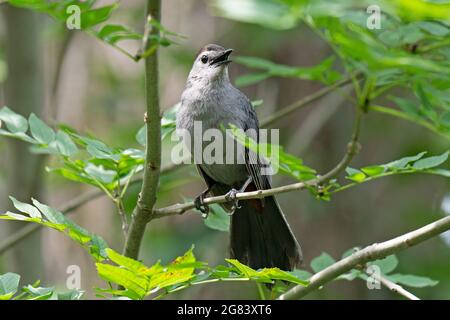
(99, 90)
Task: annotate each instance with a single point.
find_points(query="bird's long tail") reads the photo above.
(261, 236)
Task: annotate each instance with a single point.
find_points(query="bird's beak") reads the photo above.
(222, 58)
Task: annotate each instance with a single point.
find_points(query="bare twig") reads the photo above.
(393, 286)
(123, 218)
(56, 81)
(370, 253)
(307, 100)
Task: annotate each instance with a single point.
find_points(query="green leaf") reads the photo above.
(407, 106)
(277, 274)
(70, 295)
(242, 268)
(100, 174)
(278, 159)
(15, 216)
(119, 294)
(73, 175)
(9, 282)
(64, 144)
(301, 274)
(351, 275)
(373, 171)
(426, 107)
(14, 122)
(18, 135)
(387, 264)
(38, 293)
(218, 219)
(431, 162)
(56, 220)
(141, 136)
(321, 262)
(93, 17)
(269, 13)
(137, 284)
(251, 78)
(267, 274)
(403, 162)
(178, 271)
(97, 148)
(40, 131)
(26, 208)
(445, 119)
(434, 28)
(412, 280)
(355, 175)
(131, 264)
(257, 103)
(51, 214)
(113, 33)
(441, 172)
(98, 247)
(321, 72)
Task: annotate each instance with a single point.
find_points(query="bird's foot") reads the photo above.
(201, 206)
(231, 197)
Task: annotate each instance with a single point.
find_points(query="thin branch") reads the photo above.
(352, 149)
(393, 286)
(143, 211)
(370, 253)
(145, 50)
(72, 205)
(56, 81)
(123, 218)
(307, 100)
(383, 175)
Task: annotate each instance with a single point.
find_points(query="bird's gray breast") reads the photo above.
(205, 115)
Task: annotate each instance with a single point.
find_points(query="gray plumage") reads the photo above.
(260, 235)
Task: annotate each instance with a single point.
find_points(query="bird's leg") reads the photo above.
(231, 195)
(200, 205)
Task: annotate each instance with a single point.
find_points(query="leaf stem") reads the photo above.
(401, 115)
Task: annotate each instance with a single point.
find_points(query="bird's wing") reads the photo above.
(257, 166)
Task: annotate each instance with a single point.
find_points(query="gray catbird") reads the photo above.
(260, 234)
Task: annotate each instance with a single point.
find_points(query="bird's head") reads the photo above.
(211, 63)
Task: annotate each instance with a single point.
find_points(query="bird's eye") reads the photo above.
(204, 59)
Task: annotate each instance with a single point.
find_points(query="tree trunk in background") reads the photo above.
(23, 94)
